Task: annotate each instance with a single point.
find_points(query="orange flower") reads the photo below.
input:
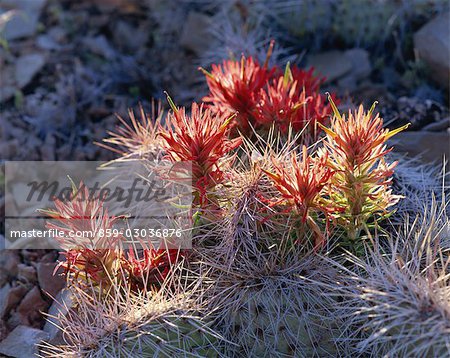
(200, 139)
(301, 185)
(356, 146)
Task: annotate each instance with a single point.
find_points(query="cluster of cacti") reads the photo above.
(271, 219)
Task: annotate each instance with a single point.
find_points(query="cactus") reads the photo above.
(362, 22)
(164, 323)
(303, 18)
(400, 302)
(277, 318)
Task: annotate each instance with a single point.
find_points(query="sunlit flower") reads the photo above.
(234, 87)
(356, 147)
(82, 214)
(95, 266)
(281, 104)
(200, 139)
(301, 184)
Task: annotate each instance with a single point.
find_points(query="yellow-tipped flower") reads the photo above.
(356, 148)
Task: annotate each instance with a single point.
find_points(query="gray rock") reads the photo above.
(27, 67)
(99, 45)
(9, 260)
(57, 33)
(359, 58)
(60, 307)
(22, 341)
(433, 47)
(195, 36)
(11, 297)
(26, 273)
(331, 64)
(4, 293)
(428, 146)
(23, 20)
(46, 42)
(30, 308)
(438, 126)
(18, 24)
(50, 283)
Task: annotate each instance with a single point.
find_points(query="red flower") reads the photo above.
(200, 139)
(292, 100)
(234, 86)
(82, 213)
(281, 104)
(300, 184)
(307, 80)
(152, 268)
(98, 266)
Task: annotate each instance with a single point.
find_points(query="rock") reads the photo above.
(433, 47)
(27, 67)
(26, 273)
(46, 42)
(31, 307)
(7, 88)
(438, 126)
(22, 20)
(428, 146)
(11, 297)
(359, 59)
(4, 293)
(60, 307)
(9, 260)
(331, 64)
(49, 283)
(99, 45)
(130, 37)
(3, 330)
(347, 83)
(22, 341)
(48, 149)
(57, 34)
(195, 36)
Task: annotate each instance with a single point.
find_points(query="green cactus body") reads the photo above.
(362, 22)
(304, 17)
(276, 323)
(166, 337)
